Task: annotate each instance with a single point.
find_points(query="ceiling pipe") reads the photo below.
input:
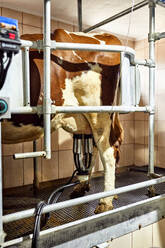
(79, 5)
(119, 15)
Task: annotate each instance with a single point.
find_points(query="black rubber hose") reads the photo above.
(61, 189)
(52, 199)
(36, 232)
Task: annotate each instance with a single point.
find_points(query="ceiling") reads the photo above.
(95, 11)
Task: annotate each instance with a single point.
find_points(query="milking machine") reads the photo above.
(83, 150)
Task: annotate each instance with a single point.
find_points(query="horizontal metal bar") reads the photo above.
(97, 229)
(145, 62)
(29, 155)
(99, 109)
(26, 43)
(81, 200)
(118, 15)
(81, 109)
(107, 226)
(24, 110)
(12, 242)
(92, 47)
(160, 36)
(85, 47)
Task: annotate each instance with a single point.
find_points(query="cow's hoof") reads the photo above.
(115, 197)
(102, 207)
(79, 190)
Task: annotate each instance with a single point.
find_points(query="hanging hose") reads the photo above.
(36, 230)
(53, 198)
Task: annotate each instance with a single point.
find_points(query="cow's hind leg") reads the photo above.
(108, 160)
(100, 124)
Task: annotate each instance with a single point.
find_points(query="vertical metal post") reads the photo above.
(26, 76)
(2, 234)
(47, 100)
(35, 170)
(79, 3)
(136, 85)
(123, 88)
(152, 6)
(26, 80)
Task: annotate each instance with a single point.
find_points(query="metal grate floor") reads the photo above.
(23, 227)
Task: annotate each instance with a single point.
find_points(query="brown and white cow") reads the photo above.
(78, 78)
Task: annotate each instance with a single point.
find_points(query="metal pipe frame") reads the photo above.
(99, 109)
(136, 85)
(81, 109)
(96, 229)
(47, 111)
(46, 98)
(115, 17)
(26, 43)
(79, 4)
(26, 93)
(35, 169)
(162, 35)
(91, 47)
(26, 76)
(73, 110)
(152, 6)
(145, 62)
(29, 155)
(87, 109)
(87, 47)
(159, 36)
(25, 110)
(82, 200)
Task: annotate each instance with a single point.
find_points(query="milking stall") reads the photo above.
(71, 173)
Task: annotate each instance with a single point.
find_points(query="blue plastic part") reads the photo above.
(162, 1)
(4, 106)
(9, 21)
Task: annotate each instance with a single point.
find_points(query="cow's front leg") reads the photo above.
(84, 186)
(108, 161)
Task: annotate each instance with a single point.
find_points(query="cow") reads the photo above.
(78, 78)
